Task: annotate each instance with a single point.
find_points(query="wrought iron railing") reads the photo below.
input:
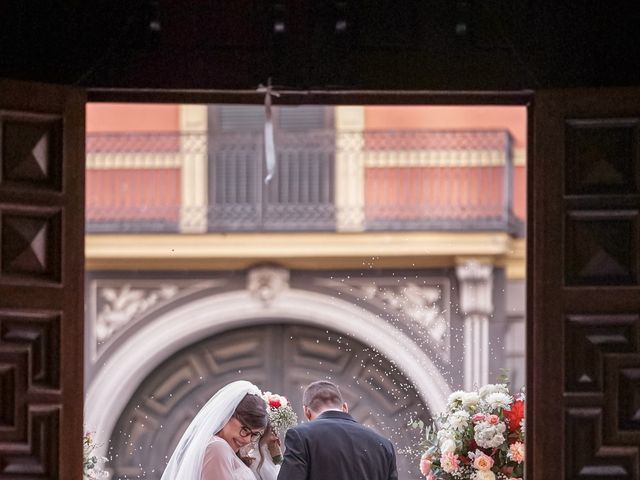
(325, 180)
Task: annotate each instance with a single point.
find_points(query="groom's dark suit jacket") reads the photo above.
(336, 447)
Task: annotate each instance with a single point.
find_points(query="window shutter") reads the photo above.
(307, 117)
(241, 118)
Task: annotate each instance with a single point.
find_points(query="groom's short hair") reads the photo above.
(321, 395)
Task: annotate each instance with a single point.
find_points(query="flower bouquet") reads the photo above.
(479, 437)
(92, 465)
(281, 413)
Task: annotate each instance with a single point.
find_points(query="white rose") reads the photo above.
(470, 399)
(493, 388)
(499, 400)
(455, 398)
(485, 475)
(447, 446)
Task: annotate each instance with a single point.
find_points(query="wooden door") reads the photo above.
(584, 286)
(41, 281)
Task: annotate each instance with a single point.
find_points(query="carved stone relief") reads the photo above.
(117, 304)
(421, 305)
(266, 283)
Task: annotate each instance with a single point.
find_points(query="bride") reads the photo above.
(208, 450)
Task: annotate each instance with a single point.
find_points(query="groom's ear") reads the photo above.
(345, 407)
(307, 412)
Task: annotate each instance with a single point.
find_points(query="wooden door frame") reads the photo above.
(522, 98)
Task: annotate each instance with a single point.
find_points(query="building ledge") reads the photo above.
(303, 250)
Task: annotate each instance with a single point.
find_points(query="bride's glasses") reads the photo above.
(247, 432)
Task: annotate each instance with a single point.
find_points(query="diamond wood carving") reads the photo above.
(602, 247)
(29, 245)
(602, 156)
(31, 151)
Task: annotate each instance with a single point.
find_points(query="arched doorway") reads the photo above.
(278, 357)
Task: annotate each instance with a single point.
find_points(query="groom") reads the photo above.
(333, 446)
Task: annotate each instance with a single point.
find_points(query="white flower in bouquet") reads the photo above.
(489, 435)
(445, 434)
(459, 421)
(470, 399)
(92, 465)
(493, 388)
(448, 445)
(455, 399)
(499, 400)
(485, 475)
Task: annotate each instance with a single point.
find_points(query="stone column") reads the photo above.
(194, 177)
(349, 171)
(476, 293)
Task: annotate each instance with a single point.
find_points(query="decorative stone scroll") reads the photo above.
(117, 304)
(419, 304)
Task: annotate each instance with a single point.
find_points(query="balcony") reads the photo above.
(325, 181)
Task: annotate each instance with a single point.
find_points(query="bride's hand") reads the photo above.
(273, 444)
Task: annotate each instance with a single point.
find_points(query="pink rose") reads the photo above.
(425, 464)
(493, 419)
(478, 417)
(482, 462)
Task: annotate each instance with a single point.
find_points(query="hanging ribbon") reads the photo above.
(269, 141)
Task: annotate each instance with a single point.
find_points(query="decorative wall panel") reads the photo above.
(30, 379)
(585, 293)
(41, 279)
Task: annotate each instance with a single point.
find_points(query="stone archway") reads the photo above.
(278, 357)
(162, 336)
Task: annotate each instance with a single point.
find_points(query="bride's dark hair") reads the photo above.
(261, 442)
(252, 412)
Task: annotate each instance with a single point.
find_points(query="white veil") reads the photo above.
(187, 458)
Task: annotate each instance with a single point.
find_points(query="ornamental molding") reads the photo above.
(266, 283)
(422, 305)
(117, 304)
(476, 288)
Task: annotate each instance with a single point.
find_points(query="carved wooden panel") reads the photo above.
(41, 298)
(586, 298)
(279, 358)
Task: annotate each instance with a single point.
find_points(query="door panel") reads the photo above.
(41, 281)
(585, 294)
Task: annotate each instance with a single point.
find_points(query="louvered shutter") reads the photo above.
(300, 197)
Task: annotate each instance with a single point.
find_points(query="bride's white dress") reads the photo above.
(222, 463)
(268, 470)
